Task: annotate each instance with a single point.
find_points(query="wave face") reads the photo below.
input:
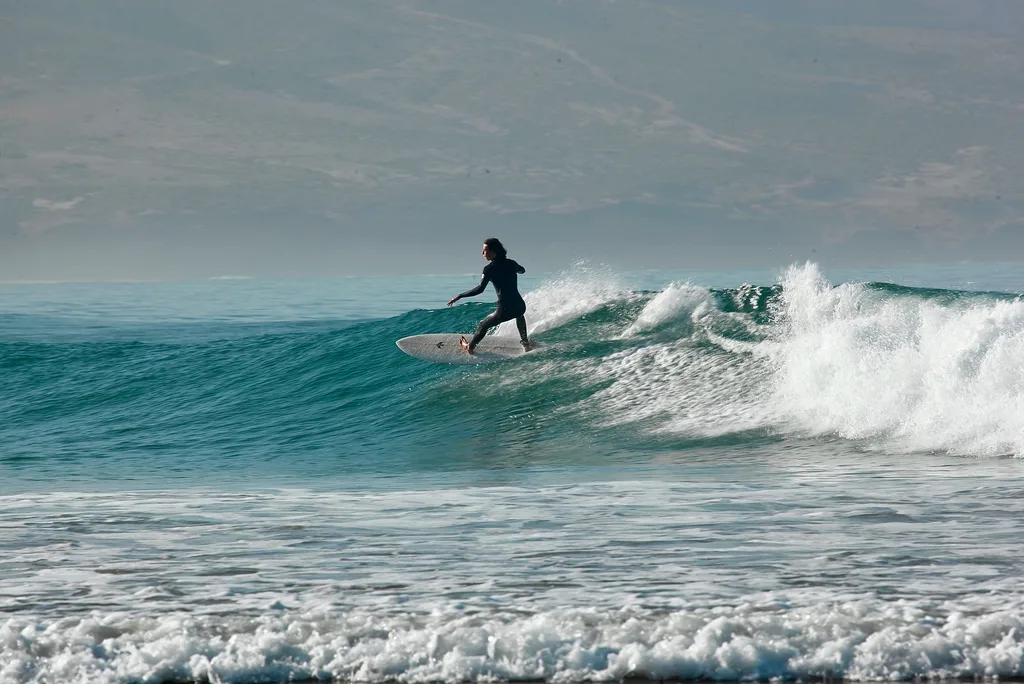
(890, 368)
(684, 482)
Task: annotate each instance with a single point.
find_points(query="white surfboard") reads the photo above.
(444, 348)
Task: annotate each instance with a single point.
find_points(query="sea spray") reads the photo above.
(568, 297)
(892, 368)
(903, 372)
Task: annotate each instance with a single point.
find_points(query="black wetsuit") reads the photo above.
(502, 272)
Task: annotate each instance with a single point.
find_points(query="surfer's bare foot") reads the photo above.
(465, 345)
(527, 344)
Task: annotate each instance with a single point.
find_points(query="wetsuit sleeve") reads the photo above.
(519, 269)
(486, 278)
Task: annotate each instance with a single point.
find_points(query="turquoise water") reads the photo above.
(722, 474)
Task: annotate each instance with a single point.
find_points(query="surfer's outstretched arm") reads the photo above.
(474, 292)
(519, 269)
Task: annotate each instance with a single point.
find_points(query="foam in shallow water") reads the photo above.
(713, 572)
(853, 639)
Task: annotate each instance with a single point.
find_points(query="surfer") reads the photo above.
(501, 271)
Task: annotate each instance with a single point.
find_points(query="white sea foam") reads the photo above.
(866, 640)
(900, 372)
(568, 297)
(683, 389)
(730, 572)
(677, 301)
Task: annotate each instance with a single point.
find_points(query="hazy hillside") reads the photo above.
(164, 139)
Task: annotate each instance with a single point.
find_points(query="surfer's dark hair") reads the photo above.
(494, 244)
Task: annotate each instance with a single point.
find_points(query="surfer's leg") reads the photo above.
(521, 324)
(485, 325)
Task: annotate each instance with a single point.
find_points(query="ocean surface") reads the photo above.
(701, 475)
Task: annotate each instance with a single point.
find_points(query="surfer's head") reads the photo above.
(493, 249)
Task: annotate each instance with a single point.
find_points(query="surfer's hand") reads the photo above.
(453, 300)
